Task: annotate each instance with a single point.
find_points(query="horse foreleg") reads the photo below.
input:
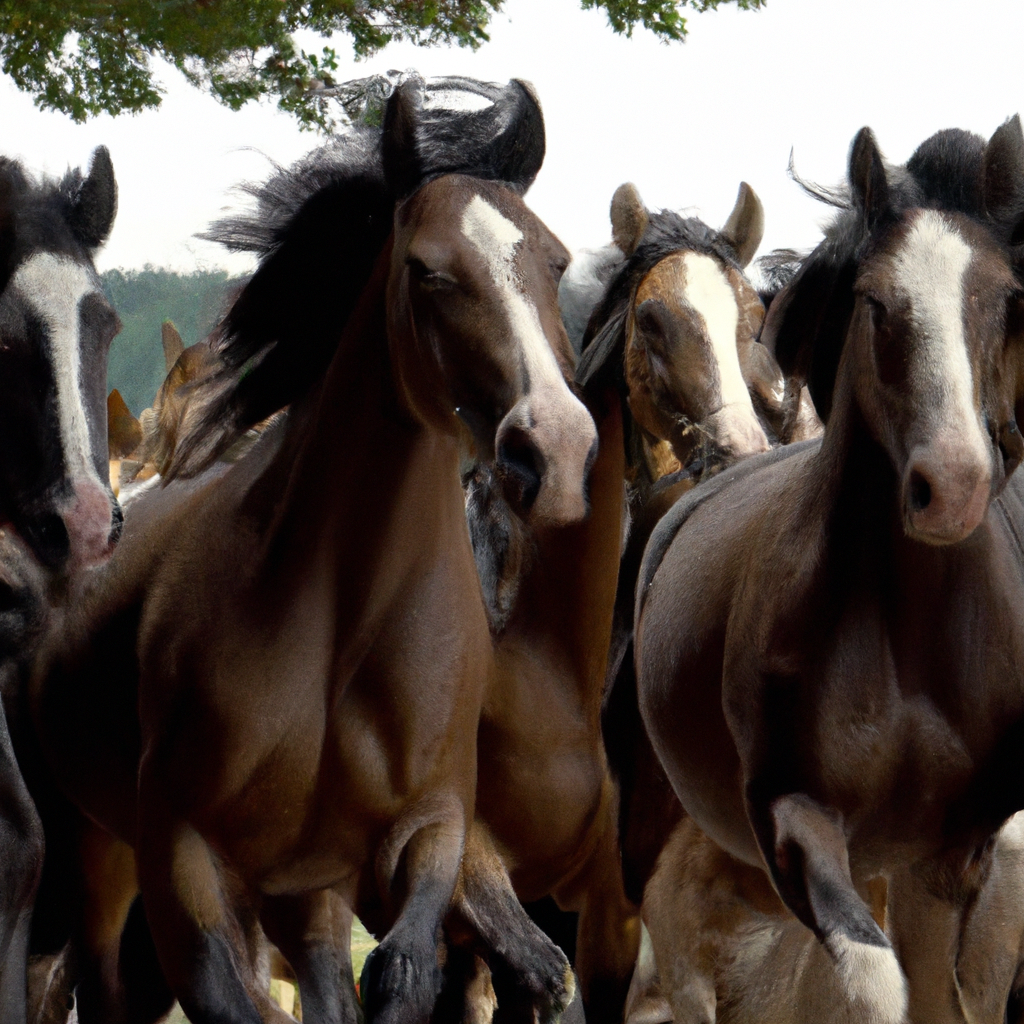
(608, 933)
(21, 863)
(417, 870)
(202, 945)
(313, 932)
(109, 887)
(805, 849)
(531, 975)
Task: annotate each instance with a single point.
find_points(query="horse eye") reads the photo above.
(429, 279)
(877, 309)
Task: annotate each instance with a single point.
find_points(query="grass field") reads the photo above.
(362, 943)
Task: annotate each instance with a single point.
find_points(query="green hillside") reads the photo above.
(144, 299)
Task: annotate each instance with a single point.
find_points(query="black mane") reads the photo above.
(318, 228)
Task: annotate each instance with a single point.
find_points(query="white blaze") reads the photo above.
(459, 100)
(495, 237)
(54, 287)
(930, 271)
(708, 291)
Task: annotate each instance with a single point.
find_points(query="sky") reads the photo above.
(685, 122)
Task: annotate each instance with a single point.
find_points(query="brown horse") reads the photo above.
(544, 791)
(829, 639)
(274, 689)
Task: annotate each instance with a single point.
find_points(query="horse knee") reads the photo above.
(805, 849)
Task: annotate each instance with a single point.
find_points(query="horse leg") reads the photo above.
(313, 932)
(109, 886)
(608, 933)
(21, 862)
(402, 978)
(202, 945)
(531, 975)
(805, 849)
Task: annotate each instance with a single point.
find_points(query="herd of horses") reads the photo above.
(621, 638)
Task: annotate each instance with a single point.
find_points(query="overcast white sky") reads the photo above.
(686, 122)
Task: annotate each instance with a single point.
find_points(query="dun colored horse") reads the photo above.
(829, 640)
(725, 949)
(274, 689)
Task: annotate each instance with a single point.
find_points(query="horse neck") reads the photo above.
(356, 472)
(853, 486)
(565, 603)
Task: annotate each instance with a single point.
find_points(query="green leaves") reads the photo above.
(85, 57)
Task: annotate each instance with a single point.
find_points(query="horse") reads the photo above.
(823, 706)
(57, 327)
(726, 949)
(272, 692)
(58, 516)
(553, 624)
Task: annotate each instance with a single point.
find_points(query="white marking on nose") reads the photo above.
(930, 270)
(708, 291)
(54, 287)
(495, 238)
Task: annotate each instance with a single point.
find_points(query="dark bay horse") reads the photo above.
(829, 641)
(273, 690)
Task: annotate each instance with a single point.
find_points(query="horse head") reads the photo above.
(914, 288)
(689, 322)
(55, 331)
(473, 322)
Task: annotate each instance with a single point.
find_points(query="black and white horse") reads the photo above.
(57, 512)
(55, 330)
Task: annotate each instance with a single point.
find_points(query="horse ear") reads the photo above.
(462, 126)
(172, 343)
(629, 218)
(1004, 178)
(95, 205)
(867, 178)
(124, 433)
(398, 145)
(745, 227)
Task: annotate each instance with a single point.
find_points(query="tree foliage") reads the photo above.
(85, 57)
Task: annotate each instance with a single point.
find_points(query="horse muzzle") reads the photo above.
(545, 447)
(80, 533)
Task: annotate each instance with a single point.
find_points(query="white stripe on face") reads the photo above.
(458, 100)
(54, 287)
(930, 271)
(495, 238)
(708, 291)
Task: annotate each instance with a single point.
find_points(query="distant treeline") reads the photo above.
(144, 299)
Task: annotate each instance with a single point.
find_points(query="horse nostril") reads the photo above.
(117, 522)
(920, 492)
(48, 537)
(519, 468)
